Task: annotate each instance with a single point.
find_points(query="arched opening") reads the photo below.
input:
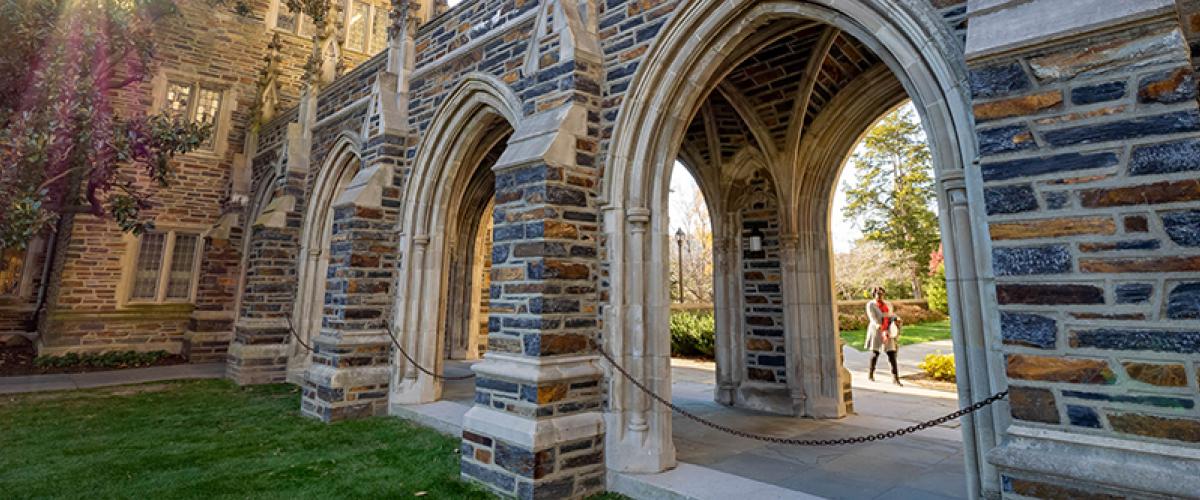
(803, 81)
(313, 269)
(441, 315)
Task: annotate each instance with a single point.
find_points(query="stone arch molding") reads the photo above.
(678, 73)
(333, 181)
(442, 168)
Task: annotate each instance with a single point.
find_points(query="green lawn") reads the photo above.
(916, 334)
(206, 439)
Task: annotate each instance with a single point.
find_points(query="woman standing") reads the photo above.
(882, 333)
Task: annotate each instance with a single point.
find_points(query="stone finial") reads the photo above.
(325, 62)
(405, 16)
(267, 85)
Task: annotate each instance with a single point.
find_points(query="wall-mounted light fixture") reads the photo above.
(756, 241)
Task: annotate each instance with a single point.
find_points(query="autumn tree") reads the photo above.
(64, 145)
(892, 198)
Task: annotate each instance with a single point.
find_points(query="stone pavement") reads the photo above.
(71, 381)
(928, 465)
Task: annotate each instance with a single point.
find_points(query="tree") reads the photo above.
(892, 197)
(867, 265)
(63, 145)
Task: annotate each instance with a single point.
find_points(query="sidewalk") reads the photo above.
(72, 381)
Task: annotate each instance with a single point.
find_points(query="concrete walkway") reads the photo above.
(72, 381)
(927, 465)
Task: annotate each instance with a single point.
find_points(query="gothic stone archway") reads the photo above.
(678, 75)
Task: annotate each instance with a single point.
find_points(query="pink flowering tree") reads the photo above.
(64, 145)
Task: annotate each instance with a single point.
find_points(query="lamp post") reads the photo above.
(679, 243)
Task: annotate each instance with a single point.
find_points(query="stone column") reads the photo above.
(348, 377)
(536, 429)
(1089, 132)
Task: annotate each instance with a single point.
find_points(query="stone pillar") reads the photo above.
(348, 376)
(210, 327)
(536, 430)
(259, 351)
(1089, 134)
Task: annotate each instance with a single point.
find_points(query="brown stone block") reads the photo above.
(1018, 106)
(552, 393)
(1136, 224)
(1141, 265)
(1059, 369)
(1035, 489)
(754, 344)
(565, 270)
(761, 374)
(1034, 405)
(1049, 294)
(563, 344)
(1070, 117)
(483, 456)
(1052, 228)
(1165, 375)
(1176, 429)
(1146, 194)
(508, 273)
(556, 229)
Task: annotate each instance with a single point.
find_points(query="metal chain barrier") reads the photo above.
(295, 335)
(396, 342)
(804, 442)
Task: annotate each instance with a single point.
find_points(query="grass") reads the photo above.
(916, 334)
(211, 439)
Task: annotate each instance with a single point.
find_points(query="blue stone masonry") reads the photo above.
(1051, 259)
(1031, 330)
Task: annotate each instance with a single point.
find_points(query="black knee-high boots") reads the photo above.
(895, 368)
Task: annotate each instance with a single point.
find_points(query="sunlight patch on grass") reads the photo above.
(916, 334)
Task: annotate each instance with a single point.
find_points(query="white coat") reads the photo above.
(875, 340)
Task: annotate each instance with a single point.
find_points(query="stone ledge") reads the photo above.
(995, 29)
(530, 433)
(538, 370)
(1121, 464)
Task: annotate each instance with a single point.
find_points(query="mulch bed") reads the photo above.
(18, 361)
(924, 381)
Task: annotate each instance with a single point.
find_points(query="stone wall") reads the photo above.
(762, 291)
(1089, 159)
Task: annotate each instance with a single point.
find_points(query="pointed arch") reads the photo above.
(340, 167)
(476, 117)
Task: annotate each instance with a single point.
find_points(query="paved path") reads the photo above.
(72, 381)
(910, 357)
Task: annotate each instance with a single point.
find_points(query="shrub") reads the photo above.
(939, 366)
(935, 291)
(693, 334)
(110, 359)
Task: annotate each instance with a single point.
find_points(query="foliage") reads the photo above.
(213, 439)
(914, 333)
(939, 366)
(63, 144)
(110, 359)
(892, 196)
(866, 266)
(935, 290)
(693, 334)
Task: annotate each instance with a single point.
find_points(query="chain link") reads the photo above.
(295, 335)
(804, 442)
(404, 353)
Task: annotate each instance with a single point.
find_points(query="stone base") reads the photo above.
(549, 458)
(770, 398)
(257, 364)
(1045, 463)
(348, 377)
(336, 394)
(536, 430)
